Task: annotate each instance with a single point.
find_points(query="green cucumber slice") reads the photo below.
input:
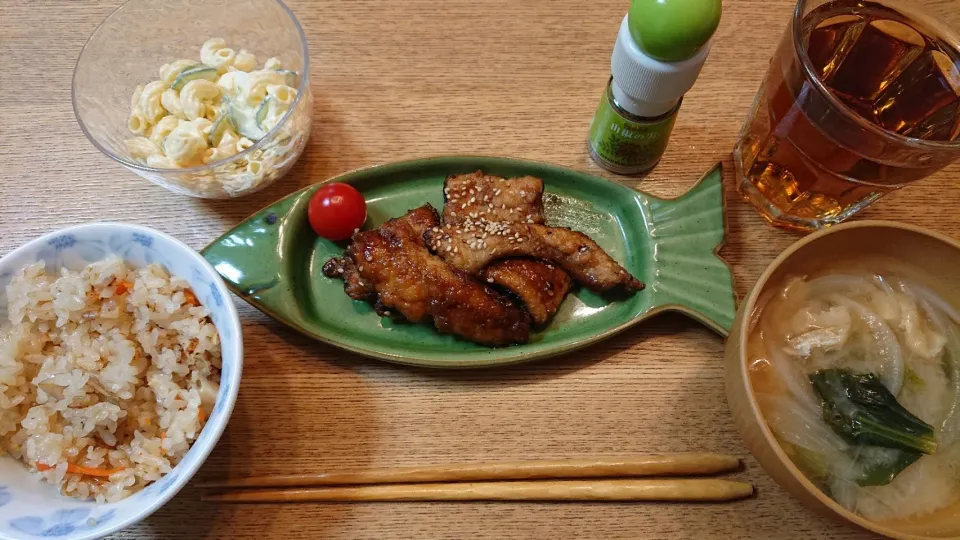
(290, 77)
(219, 127)
(262, 111)
(244, 119)
(192, 73)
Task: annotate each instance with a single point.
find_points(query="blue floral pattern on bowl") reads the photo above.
(62, 242)
(32, 509)
(144, 240)
(61, 523)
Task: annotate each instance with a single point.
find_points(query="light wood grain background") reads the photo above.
(397, 79)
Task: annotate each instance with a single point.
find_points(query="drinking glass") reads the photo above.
(860, 98)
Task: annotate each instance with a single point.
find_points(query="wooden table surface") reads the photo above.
(398, 79)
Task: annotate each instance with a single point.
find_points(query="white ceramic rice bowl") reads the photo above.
(30, 508)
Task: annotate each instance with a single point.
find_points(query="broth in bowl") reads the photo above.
(856, 370)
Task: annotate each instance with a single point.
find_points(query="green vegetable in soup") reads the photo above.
(886, 437)
(864, 465)
(877, 466)
(814, 465)
(860, 409)
(912, 381)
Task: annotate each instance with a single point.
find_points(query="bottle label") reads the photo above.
(628, 145)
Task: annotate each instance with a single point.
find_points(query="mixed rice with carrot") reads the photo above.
(107, 375)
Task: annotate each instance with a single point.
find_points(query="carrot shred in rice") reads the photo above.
(79, 469)
(123, 287)
(190, 297)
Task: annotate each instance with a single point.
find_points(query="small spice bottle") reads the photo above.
(660, 49)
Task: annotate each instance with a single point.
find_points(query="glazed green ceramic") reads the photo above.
(273, 260)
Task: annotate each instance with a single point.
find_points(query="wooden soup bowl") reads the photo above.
(936, 261)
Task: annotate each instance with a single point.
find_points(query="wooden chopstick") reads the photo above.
(655, 465)
(647, 489)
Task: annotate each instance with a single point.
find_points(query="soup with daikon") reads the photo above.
(857, 373)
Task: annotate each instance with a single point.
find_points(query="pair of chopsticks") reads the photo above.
(602, 479)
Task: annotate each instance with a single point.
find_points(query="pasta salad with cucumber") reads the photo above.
(202, 112)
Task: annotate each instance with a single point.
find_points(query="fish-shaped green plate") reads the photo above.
(273, 260)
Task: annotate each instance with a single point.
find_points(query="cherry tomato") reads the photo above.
(336, 210)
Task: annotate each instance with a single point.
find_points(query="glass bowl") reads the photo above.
(130, 46)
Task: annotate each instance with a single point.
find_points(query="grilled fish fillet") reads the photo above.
(354, 285)
(410, 280)
(419, 219)
(474, 195)
(541, 287)
(475, 244)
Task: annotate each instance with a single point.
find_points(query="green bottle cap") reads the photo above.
(672, 30)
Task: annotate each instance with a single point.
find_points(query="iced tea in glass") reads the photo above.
(860, 99)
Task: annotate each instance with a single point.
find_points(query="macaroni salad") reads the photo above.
(198, 113)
